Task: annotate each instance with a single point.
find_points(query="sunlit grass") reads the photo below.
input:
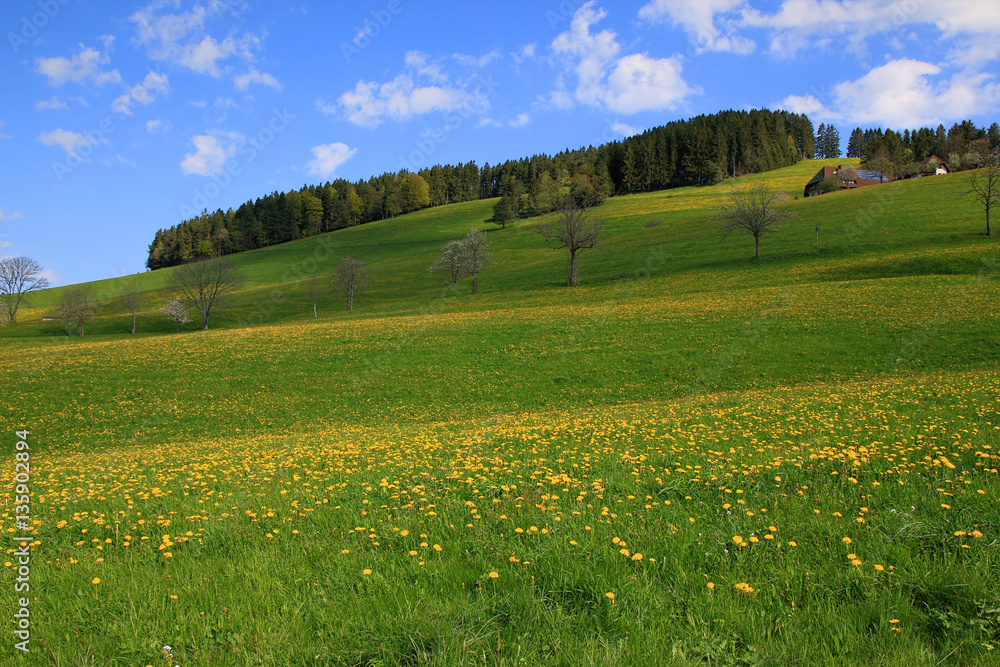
(694, 458)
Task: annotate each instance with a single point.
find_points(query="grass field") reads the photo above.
(692, 458)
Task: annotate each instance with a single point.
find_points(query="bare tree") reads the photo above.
(352, 274)
(450, 261)
(752, 211)
(206, 284)
(574, 229)
(176, 312)
(130, 298)
(18, 276)
(985, 184)
(76, 306)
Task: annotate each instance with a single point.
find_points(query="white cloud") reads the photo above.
(51, 103)
(142, 93)
(327, 158)
(424, 87)
(627, 84)
(68, 141)
(521, 120)
(2, 135)
(157, 126)
(9, 215)
(903, 93)
(526, 52)
(639, 82)
(807, 104)
(700, 23)
(808, 24)
(243, 81)
(181, 38)
(124, 160)
(84, 67)
(4, 245)
(211, 152)
(624, 129)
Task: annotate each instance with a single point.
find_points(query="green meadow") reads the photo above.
(693, 458)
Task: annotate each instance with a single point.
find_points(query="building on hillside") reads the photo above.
(932, 165)
(864, 177)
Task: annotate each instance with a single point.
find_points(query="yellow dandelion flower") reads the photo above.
(494, 575)
(95, 580)
(366, 571)
(637, 557)
(710, 585)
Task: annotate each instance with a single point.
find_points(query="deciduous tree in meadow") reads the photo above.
(985, 184)
(352, 275)
(177, 313)
(18, 277)
(76, 306)
(205, 285)
(753, 211)
(130, 298)
(574, 229)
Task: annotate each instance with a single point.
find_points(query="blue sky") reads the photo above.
(119, 118)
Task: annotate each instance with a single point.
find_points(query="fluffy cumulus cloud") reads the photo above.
(211, 152)
(9, 215)
(67, 140)
(181, 38)
(903, 93)
(327, 158)
(244, 81)
(710, 24)
(86, 67)
(604, 78)
(153, 86)
(423, 87)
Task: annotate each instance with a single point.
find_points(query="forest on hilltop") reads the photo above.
(697, 151)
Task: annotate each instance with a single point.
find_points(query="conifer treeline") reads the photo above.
(701, 150)
(962, 146)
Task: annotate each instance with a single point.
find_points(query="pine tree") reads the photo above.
(855, 144)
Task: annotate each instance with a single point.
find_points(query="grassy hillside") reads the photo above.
(694, 454)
